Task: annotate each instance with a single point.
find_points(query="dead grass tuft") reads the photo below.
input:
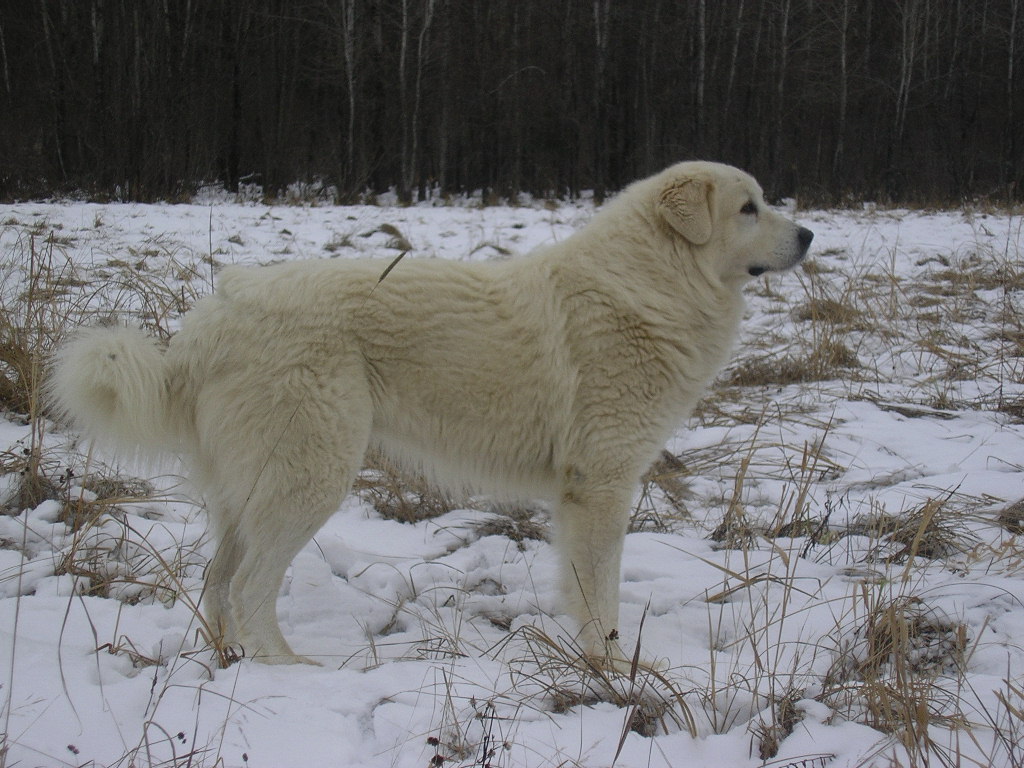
(107, 555)
(518, 522)
(1007, 724)
(772, 732)
(884, 674)
(33, 488)
(736, 530)
(398, 241)
(934, 530)
(664, 491)
(564, 678)
(338, 241)
(1006, 557)
(104, 495)
(36, 281)
(904, 633)
(829, 359)
(400, 495)
(828, 310)
(978, 272)
(1011, 517)
(475, 731)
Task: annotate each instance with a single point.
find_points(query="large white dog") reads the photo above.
(557, 375)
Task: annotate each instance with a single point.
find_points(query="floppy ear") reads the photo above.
(684, 204)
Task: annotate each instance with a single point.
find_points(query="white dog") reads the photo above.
(557, 375)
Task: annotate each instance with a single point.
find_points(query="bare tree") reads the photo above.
(3, 62)
(781, 61)
(910, 18)
(348, 47)
(737, 37)
(702, 55)
(842, 22)
(1012, 129)
(602, 36)
(411, 95)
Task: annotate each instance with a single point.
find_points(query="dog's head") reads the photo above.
(721, 214)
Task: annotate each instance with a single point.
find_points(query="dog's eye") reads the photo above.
(749, 208)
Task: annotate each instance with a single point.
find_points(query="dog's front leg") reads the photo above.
(590, 529)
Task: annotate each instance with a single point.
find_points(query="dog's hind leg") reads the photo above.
(275, 484)
(218, 579)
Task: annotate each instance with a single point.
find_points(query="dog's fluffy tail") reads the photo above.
(114, 384)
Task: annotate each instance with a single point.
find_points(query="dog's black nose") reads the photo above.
(804, 236)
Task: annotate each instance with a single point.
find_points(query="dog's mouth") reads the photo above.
(759, 269)
(804, 237)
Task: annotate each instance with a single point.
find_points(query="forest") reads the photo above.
(828, 101)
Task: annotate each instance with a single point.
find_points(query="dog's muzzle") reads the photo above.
(804, 237)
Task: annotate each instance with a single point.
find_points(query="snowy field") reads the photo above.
(823, 560)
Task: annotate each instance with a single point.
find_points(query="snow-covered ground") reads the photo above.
(822, 570)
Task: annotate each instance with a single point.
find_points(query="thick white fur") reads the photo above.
(556, 375)
(113, 382)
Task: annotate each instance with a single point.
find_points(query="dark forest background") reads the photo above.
(893, 100)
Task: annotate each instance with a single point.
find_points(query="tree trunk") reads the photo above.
(1012, 129)
(602, 11)
(910, 21)
(3, 62)
(405, 172)
(414, 128)
(59, 104)
(698, 112)
(348, 47)
(733, 56)
(781, 62)
(844, 84)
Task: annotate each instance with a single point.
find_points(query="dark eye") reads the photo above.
(749, 208)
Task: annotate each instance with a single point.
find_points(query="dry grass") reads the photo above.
(397, 240)
(664, 492)
(110, 558)
(39, 301)
(556, 674)
(771, 732)
(518, 522)
(851, 326)
(897, 670)
(44, 296)
(1007, 724)
(407, 497)
(830, 359)
(1011, 517)
(400, 495)
(896, 662)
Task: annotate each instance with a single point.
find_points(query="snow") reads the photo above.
(434, 639)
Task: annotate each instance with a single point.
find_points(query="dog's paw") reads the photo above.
(618, 664)
(608, 656)
(284, 658)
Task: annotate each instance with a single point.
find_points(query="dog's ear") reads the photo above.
(686, 205)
